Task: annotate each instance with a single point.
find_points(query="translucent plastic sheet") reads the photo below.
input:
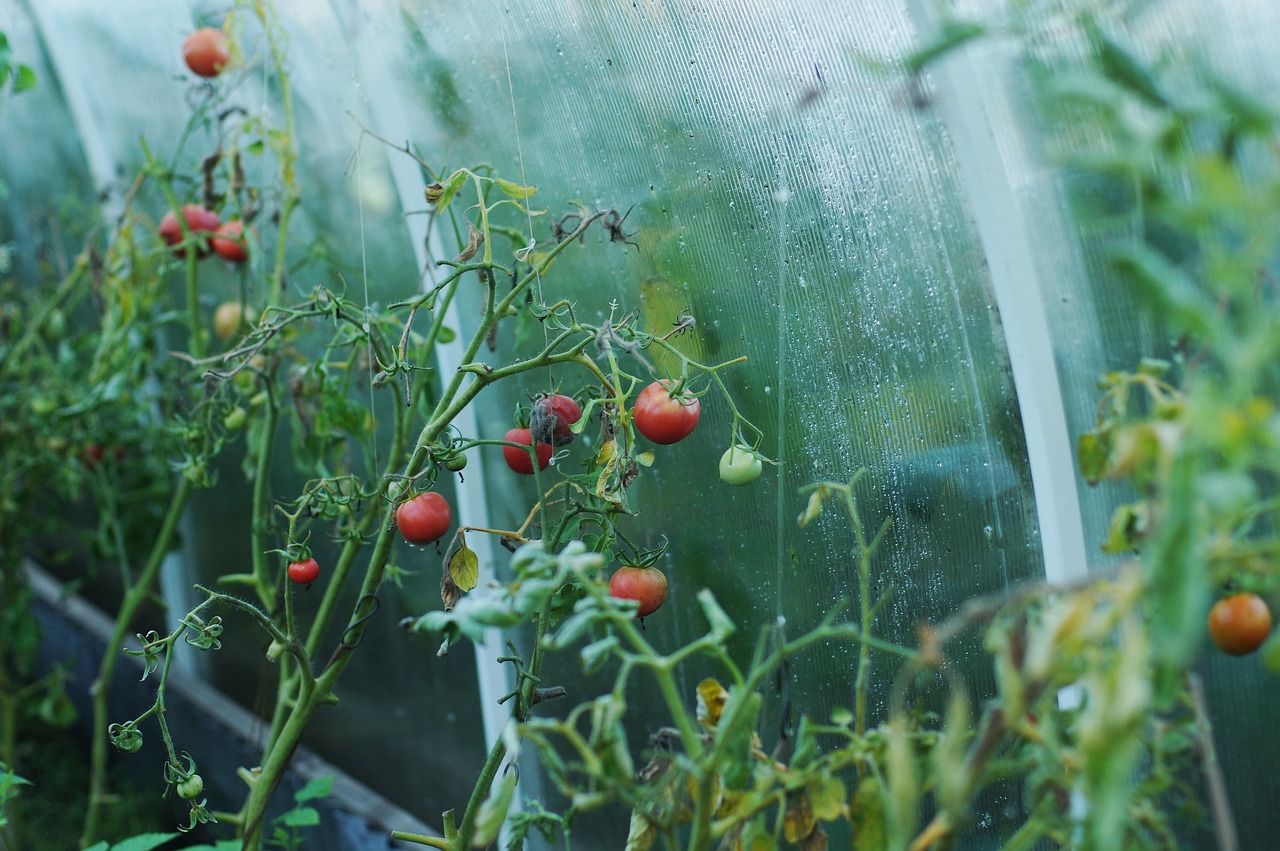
(803, 207)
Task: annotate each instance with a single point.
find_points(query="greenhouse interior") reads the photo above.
(567, 424)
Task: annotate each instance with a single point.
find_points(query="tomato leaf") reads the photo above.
(813, 509)
(493, 812)
(464, 566)
(721, 625)
(515, 190)
(450, 188)
(645, 459)
(144, 842)
(317, 787)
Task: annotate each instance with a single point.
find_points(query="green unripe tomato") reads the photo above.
(455, 463)
(190, 789)
(234, 420)
(739, 465)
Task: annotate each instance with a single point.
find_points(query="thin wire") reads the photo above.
(515, 121)
(782, 196)
(364, 274)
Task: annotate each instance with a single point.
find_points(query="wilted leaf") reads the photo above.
(798, 822)
(827, 796)
(711, 700)
(866, 812)
(449, 593)
(464, 566)
(813, 509)
(641, 833)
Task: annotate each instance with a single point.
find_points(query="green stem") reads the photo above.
(100, 690)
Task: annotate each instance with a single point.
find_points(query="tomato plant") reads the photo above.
(1239, 624)
(518, 459)
(206, 51)
(424, 518)
(304, 572)
(199, 220)
(647, 586)
(740, 465)
(552, 418)
(663, 418)
(229, 242)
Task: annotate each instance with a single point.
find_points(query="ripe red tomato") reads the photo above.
(551, 418)
(646, 585)
(518, 459)
(206, 51)
(304, 572)
(1239, 624)
(198, 219)
(229, 244)
(424, 519)
(662, 419)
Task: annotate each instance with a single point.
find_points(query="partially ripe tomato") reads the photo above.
(663, 419)
(1239, 624)
(518, 459)
(198, 219)
(552, 416)
(206, 51)
(304, 572)
(739, 465)
(646, 585)
(228, 243)
(424, 519)
(227, 319)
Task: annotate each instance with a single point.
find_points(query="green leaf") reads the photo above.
(317, 787)
(595, 654)
(451, 185)
(515, 190)
(493, 812)
(26, 79)
(1178, 296)
(144, 842)
(1093, 452)
(301, 817)
(1123, 69)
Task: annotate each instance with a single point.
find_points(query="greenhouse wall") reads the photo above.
(981, 296)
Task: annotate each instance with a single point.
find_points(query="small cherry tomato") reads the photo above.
(518, 459)
(663, 419)
(227, 319)
(304, 572)
(229, 243)
(198, 220)
(455, 463)
(424, 519)
(1239, 624)
(739, 465)
(206, 51)
(552, 416)
(190, 789)
(646, 585)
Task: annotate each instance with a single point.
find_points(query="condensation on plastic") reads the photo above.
(791, 197)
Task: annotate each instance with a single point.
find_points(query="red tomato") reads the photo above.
(304, 572)
(662, 419)
(551, 418)
(206, 51)
(198, 219)
(229, 244)
(646, 585)
(518, 459)
(1239, 624)
(424, 519)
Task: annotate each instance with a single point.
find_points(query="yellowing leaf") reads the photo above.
(799, 822)
(828, 796)
(711, 700)
(464, 567)
(813, 509)
(645, 459)
(641, 833)
(515, 190)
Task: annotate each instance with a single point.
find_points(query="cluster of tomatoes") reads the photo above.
(206, 52)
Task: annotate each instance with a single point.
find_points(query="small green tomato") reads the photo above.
(739, 465)
(190, 789)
